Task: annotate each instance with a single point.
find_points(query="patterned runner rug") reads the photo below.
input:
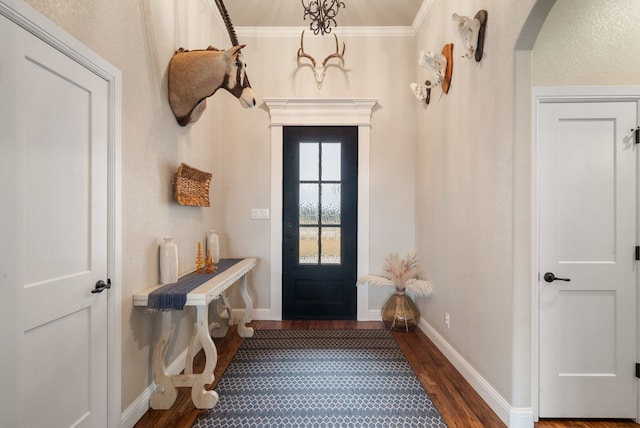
(320, 378)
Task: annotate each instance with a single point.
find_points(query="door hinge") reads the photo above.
(638, 370)
(636, 131)
(637, 252)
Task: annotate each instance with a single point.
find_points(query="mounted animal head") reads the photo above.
(198, 74)
(436, 64)
(468, 29)
(319, 69)
(440, 66)
(471, 32)
(421, 92)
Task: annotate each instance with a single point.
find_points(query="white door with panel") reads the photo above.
(587, 182)
(54, 119)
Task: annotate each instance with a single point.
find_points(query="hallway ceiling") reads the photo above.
(356, 13)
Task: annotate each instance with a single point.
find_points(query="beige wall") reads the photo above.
(464, 191)
(473, 185)
(232, 143)
(442, 176)
(139, 38)
(374, 69)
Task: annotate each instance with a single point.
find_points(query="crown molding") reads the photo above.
(425, 7)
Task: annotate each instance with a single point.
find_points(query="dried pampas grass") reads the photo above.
(402, 273)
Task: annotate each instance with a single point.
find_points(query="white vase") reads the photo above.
(213, 246)
(168, 261)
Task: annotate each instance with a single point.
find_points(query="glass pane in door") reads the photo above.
(330, 203)
(309, 245)
(309, 161)
(309, 195)
(330, 244)
(331, 162)
(319, 202)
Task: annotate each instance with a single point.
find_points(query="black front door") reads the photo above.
(320, 213)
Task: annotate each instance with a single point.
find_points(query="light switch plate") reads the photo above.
(259, 213)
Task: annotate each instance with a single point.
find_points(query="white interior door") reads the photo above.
(587, 220)
(54, 125)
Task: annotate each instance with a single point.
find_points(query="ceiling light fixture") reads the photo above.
(322, 14)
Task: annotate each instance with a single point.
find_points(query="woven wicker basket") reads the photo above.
(192, 186)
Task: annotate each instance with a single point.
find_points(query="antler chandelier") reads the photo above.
(322, 14)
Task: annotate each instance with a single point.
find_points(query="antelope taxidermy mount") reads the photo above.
(319, 69)
(196, 75)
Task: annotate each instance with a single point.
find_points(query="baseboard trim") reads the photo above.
(256, 314)
(521, 417)
(140, 405)
(372, 315)
(136, 410)
(512, 417)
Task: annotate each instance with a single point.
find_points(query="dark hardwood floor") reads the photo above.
(459, 404)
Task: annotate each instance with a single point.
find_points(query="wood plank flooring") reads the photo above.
(459, 404)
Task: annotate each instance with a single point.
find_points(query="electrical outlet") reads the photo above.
(447, 320)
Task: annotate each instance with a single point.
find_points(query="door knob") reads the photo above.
(550, 277)
(101, 286)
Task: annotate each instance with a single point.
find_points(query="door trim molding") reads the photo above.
(40, 26)
(558, 94)
(319, 112)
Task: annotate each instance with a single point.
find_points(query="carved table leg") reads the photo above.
(202, 398)
(243, 330)
(220, 326)
(165, 398)
(191, 351)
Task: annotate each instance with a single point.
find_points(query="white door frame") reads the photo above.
(320, 112)
(561, 94)
(40, 26)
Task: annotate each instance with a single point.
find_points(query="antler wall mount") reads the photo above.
(319, 69)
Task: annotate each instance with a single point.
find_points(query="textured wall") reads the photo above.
(375, 68)
(599, 44)
(232, 143)
(464, 196)
(441, 176)
(139, 38)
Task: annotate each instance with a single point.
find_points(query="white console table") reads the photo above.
(200, 298)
